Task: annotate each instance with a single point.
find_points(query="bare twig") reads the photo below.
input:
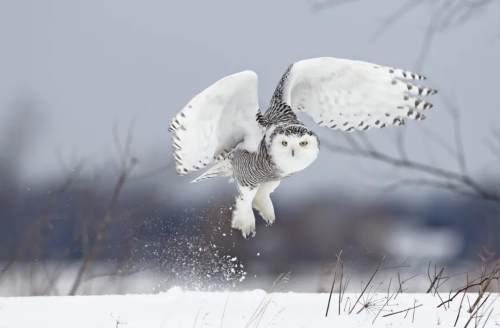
(444, 15)
(483, 281)
(414, 310)
(388, 22)
(341, 292)
(474, 315)
(453, 177)
(318, 5)
(459, 310)
(435, 280)
(388, 298)
(367, 285)
(152, 172)
(339, 255)
(488, 317)
(401, 311)
(127, 164)
(482, 290)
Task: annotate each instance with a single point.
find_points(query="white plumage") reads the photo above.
(223, 124)
(216, 120)
(347, 94)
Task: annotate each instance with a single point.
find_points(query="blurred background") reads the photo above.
(89, 199)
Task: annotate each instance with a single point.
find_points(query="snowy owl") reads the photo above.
(223, 125)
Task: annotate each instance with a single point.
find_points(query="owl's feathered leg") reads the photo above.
(262, 201)
(243, 218)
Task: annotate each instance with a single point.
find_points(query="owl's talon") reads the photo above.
(246, 226)
(269, 219)
(263, 204)
(248, 235)
(243, 218)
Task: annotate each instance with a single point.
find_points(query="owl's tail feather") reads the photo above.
(220, 169)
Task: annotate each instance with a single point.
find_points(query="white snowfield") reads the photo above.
(178, 308)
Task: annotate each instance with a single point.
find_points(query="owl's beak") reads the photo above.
(293, 152)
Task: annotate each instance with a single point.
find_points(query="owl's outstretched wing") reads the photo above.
(215, 121)
(351, 95)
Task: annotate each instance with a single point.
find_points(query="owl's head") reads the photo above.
(292, 148)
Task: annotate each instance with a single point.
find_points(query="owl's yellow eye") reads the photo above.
(303, 143)
(284, 143)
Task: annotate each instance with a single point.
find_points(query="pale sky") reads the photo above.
(92, 64)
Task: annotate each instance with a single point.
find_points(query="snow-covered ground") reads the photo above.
(178, 308)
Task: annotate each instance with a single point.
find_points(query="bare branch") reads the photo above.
(399, 13)
(127, 164)
(440, 173)
(422, 182)
(339, 255)
(474, 315)
(153, 172)
(444, 15)
(483, 281)
(367, 284)
(402, 311)
(318, 5)
(435, 280)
